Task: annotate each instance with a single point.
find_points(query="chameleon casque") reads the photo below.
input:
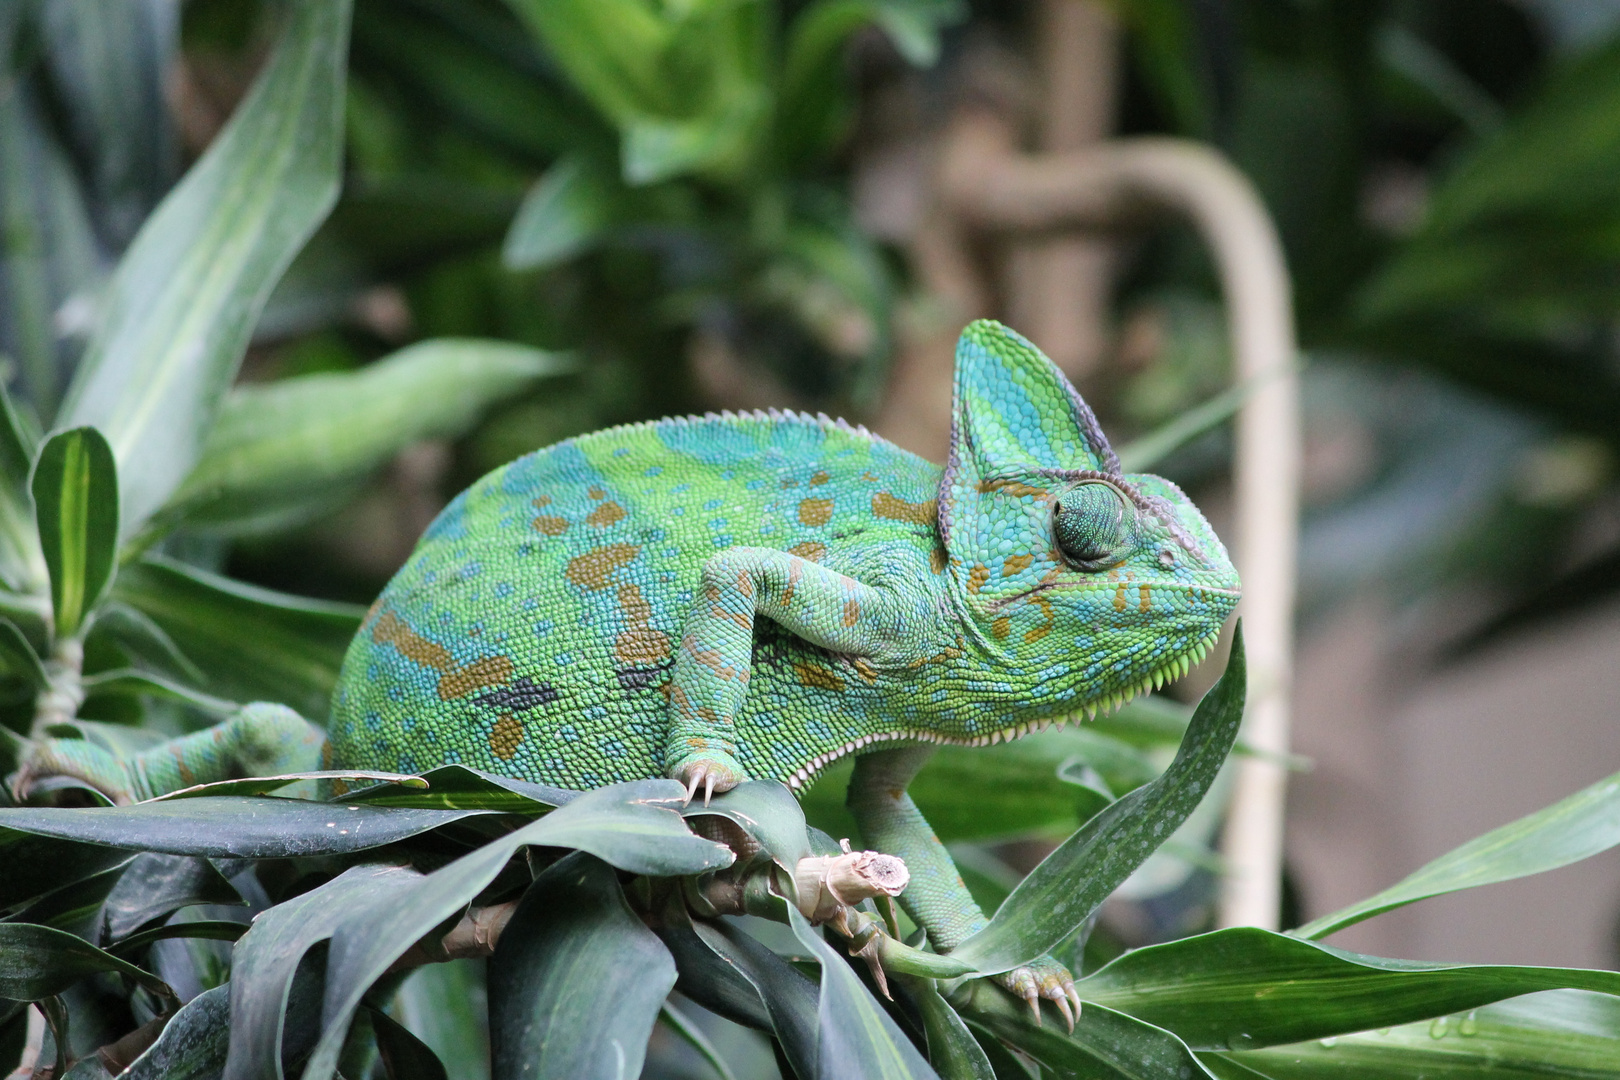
(756, 596)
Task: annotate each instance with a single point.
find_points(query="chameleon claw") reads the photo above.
(1073, 995)
(1033, 1000)
(691, 788)
(708, 788)
(1063, 1006)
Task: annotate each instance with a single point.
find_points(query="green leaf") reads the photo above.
(279, 449)
(19, 657)
(192, 1045)
(156, 886)
(952, 1050)
(1105, 1045)
(22, 565)
(75, 490)
(633, 826)
(690, 1033)
(1245, 987)
(264, 785)
(224, 827)
(1062, 892)
(178, 313)
(252, 643)
(719, 978)
(1576, 828)
(38, 961)
(577, 980)
(612, 50)
(1557, 1033)
(767, 811)
(1143, 453)
(443, 1005)
(36, 865)
(205, 929)
(404, 1055)
(458, 787)
(855, 1037)
(564, 213)
(74, 907)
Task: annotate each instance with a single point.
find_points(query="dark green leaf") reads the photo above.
(1558, 1033)
(286, 445)
(443, 1004)
(1244, 987)
(266, 960)
(952, 1050)
(855, 1037)
(404, 1055)
(1105, 1045)
(182, 304)
(13, 1038)
(226, 826)
(565, 213)
(791, 999)
(75, 488)
(1576, 828)
(156, 886)
(1062, 892)
(208, 929)
(19, 657)
(458, 787)
(193, 1044)
(252, 643)
(38, 961)
(634, 826)
(36, 865)
(75, 907)
(690, 1033)
(767, 811)
(132, 682)
(713, 975)
(577, 981)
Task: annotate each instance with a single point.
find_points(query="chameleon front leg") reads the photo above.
(261, 739)
(936, 897)
(710, 676)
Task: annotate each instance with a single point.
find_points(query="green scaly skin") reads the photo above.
(591, 612)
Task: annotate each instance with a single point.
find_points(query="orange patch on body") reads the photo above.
(593, 569)
(506, 737)
(819, 478)
(1016, 564)
(1146, 603)
(485, 671)
(885, 505)
(1120, 603)
(852, 612)
(606, 514)
(1015, 488)
(597, 493)
(863, 667)
(1001, 627)
(809, 549)
(947, 653)
(1032, 636)
(937, 560)
(392, 630)
(640, 643)
(551, 526)
(815, 512)
(977, 577)
(710, 658)
(814, 675)
(540, 502)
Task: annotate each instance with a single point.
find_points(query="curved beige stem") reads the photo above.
(991, 186)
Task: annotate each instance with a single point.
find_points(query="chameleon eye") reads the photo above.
(1090, 524)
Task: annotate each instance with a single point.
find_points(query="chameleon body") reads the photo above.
(756, 596)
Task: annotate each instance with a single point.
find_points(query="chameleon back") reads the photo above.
(531, 632)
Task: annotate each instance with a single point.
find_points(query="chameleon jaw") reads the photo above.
(1173, 669)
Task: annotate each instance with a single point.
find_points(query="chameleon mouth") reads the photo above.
(1171, 670)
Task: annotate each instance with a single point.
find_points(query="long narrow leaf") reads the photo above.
(182, 304)
(1576, 828)
(253, 644)
(1245, 987)
(75, 489)
(281, 447)
(577, 981)
(1558, 1033)
(1068, 886)
(38, 961)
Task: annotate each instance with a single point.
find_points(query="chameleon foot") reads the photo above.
(78, 759)
(711, 771)
(1045, 978)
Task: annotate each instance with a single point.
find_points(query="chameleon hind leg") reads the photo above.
(710, 675)
(261, 739)
(936, 897)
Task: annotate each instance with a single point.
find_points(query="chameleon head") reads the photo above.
(1076, 580)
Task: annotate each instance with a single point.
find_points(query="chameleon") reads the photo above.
(755, 596)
